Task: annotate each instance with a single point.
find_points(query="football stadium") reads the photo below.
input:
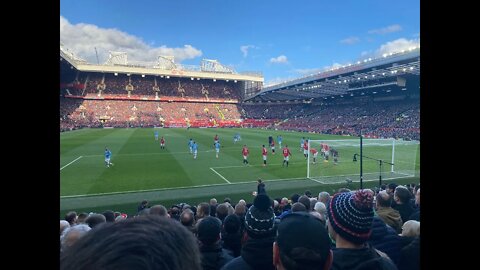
(99, 109)
(139, 136)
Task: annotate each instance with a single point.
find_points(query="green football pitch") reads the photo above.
(141, 167)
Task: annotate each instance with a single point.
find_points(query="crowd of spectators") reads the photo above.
(75, 113)
(105, 101)
(388, 119)
(300, 232)
(377, 120)
(147, 86)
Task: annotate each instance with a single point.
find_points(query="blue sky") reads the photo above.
(282, 39)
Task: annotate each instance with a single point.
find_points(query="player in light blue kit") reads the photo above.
(279, 140)
(194, 148)
(156, 135)
(217, 148)
(108, 155)
(236, 138)
(302, 140)
(190, 145)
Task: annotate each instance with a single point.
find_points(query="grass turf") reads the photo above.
(142, 168)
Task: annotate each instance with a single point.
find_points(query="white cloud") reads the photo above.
(396, 46)
(389, 47)
(350, 40)
(386, 30)
(282, 59)
(82, 39)
(245, 49)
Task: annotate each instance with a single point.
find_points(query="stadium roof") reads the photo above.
(164, 66)
(389, 70)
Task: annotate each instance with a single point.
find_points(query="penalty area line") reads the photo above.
(320, 182)
(221, 176)
(71, 162)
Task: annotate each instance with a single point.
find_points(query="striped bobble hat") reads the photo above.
(259, 219)
(351, 215)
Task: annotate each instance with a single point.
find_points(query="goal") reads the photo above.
(385, 158)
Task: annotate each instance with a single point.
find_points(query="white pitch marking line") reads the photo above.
(71, 162)
(200, 186)
(220, 175)
(316, 181)
(172, 188)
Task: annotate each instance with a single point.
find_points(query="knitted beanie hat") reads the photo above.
(259, 220)
(351, 215)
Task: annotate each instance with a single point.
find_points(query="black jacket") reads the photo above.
(261, 189)
(214, 256)
(385, 239)
(410, 256)
(256, 254)
(360, 259)
(232, 243)
(405, 210)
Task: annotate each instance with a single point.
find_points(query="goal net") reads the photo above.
(338, 161)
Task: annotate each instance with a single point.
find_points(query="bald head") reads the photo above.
(187, 218)
(384, 199)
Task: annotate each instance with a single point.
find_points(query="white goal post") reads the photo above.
(336, 160)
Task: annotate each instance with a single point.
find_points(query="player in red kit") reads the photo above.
(245, 154)
(326, 150)
(272, 145)
(162, 143)
(305, 149)
(314, 153)
(264, 155)
(286, 155)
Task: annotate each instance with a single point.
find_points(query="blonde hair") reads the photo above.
(411, 228)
